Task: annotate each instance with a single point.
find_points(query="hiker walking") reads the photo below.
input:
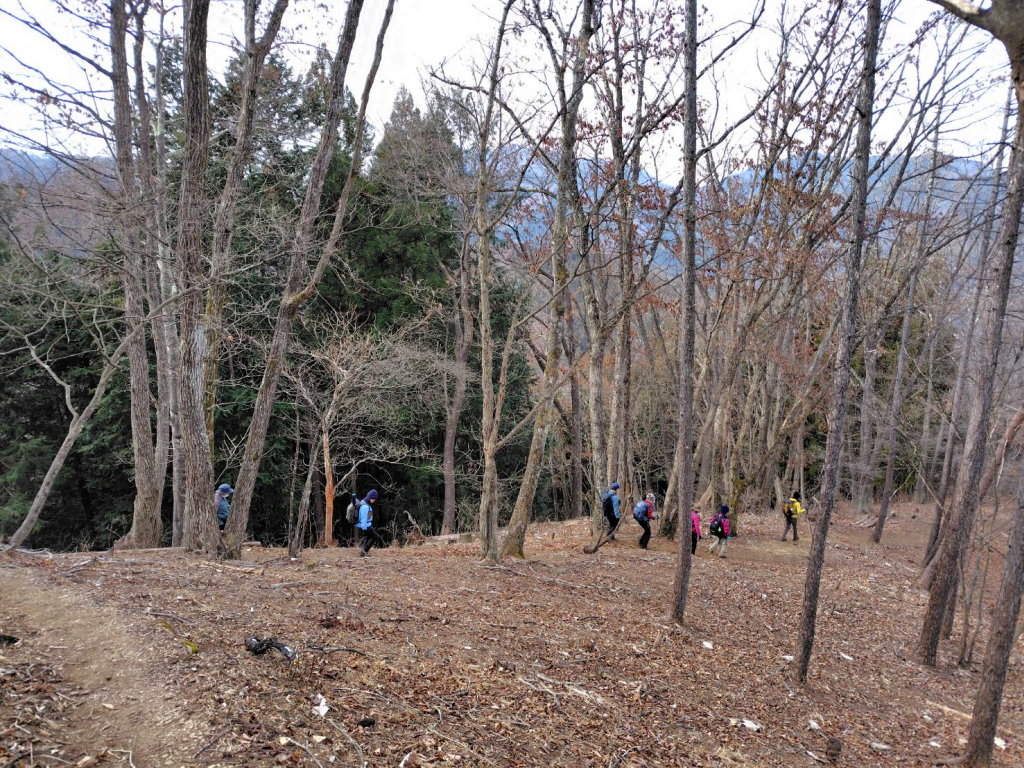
(643, 513)
(220, 502)
(792, 509)
(610, 506)
(719, 528)
(694, 530)
(367, 535)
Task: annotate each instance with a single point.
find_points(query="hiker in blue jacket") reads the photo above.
(220, 501)
(610, 506)
(367, 535)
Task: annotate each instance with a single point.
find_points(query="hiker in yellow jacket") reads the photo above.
(792, 509)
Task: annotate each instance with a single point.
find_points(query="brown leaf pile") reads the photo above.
(424, 657)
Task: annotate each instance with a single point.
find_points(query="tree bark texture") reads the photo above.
(847, 342)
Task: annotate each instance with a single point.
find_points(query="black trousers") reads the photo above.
(693, 542)
(368, 538)
(646, 525)
(790, 521)
(612, 520)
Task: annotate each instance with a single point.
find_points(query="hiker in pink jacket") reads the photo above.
(694, 530)
(719, 528)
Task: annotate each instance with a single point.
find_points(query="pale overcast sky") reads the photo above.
(423, 33)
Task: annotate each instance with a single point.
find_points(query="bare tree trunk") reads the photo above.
(576, 450)
(965, 353)
(451, 428)
(200, 531)
(146, 525)
(298, 289)
(965, 497)
(1000, 643)
(684, 444)
(847, 341)
(298, 534)
(256, 51)
(484, 229)
(569, 105)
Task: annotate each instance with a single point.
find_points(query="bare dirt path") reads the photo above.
(119, 706)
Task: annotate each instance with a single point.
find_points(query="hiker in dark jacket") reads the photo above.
(220, 501)
(719, 528)
(643, 513)
(610, 506)
(367, 535)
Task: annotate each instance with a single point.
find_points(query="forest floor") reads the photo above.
(425, 657)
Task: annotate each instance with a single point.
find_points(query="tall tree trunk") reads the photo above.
(965, 353)
(451, 429)
(298, 287)
(146, 524)
(569, 106)
(895, 407)
(684, 444)
(965, 499)
(847, 342)
(484, 228)
(200, 532)
(256, 51)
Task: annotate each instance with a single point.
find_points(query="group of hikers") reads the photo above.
(360, 514)
(720, 528)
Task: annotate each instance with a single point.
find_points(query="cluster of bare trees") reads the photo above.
(725, 297)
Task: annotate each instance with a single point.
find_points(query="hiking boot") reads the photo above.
(363, 553)
(796, 539)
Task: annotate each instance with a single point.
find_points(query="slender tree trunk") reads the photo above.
(965, 353)
(847, 341)
(484, 229)
(298, 289)
(451, 429)
(298, 534)
(516, 536)
(256, 51)
(895, 407)
(965, 498)
(684, 445)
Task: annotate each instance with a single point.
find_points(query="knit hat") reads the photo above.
(372, 495)
(725, 509)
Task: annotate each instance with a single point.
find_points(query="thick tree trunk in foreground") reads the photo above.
(847, 342)
(1000, 644)
(684, 444)
(200, 531)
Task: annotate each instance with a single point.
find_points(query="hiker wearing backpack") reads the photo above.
(367, 535)
(694, 530)
(643, 513)
(220, 501)
(610, 506)
(719, 528)
(792, 509)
